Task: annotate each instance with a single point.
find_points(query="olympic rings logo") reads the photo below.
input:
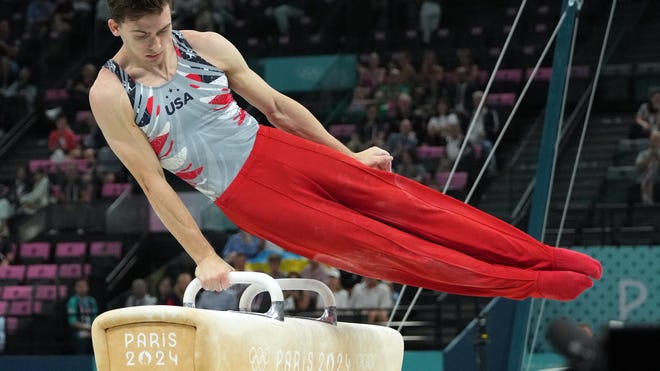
(259, 358)
(310, 72)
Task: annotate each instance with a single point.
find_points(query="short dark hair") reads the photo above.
(121, 10)
(654, 90)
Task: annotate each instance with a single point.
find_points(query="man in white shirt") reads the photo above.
(374, 297)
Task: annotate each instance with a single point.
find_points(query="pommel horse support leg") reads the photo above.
(159, 337)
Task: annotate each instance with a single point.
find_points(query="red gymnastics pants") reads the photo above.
(316, 202)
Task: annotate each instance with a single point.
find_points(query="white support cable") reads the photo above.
(515, 107)
(410, 307)
(505, 47)
(587, 116)
(547, 204)
(396, 305)
(580, 146)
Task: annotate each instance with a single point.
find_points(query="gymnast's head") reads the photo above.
(145, 29)
(132, 10)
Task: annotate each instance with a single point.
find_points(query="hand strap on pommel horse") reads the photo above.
(160, 337)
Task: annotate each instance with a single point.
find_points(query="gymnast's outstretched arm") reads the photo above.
(114, 114)
(283, 112)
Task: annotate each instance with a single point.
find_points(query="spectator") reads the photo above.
(71, 185)
(6, 211)
(410, 168)
(78, 88)
(176, 296)
(89, 188)
(647, 163)
(81, 312)
(57, 49)
(439, 120)
(7, 252)
(214, 15)
(429, 18)
(648, 116)
(164, 290)
(334, 283)
(38, 13)
(315, 271)
(374, 297)
(139, 295)
(373, 127)
(297, 300)
(403, 140)
(485, 128)
(283, 12)
(9, 49)
(22, 185)
(62, 138)
(274, 265)
(19, 97)
(403, 62)
(242, 242)
(91, 136)
(38, 197)
(462, 91)
(387, 93)
(373, 74)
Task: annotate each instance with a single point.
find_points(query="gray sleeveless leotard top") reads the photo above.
(193, 123)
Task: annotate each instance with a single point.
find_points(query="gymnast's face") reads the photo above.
(148, 39)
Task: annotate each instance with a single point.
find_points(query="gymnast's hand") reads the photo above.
(375, 157)
(212, 273)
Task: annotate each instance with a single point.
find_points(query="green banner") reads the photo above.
(311, 73)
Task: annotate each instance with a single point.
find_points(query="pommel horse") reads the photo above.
(159, 337)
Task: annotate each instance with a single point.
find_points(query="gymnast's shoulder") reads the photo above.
(216, 49)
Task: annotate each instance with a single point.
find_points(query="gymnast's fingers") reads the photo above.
(213, 273)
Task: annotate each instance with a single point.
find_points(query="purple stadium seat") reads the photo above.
(581, 72)
(49, 292)
(105, 249)
(501, 99)
(543, 74)
(3, 307)
(17, 292)
(35, 251)
(114, 189)
(458, 181)
(55, 95)
(512, 75)
(70, 251)
(41, 272)
(70, 271)
(20, 308)
(12, 274)
(425, 151)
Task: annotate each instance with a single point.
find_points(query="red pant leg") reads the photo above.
(325, 206)
(408, 205)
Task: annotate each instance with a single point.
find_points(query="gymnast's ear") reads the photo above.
(113, 26)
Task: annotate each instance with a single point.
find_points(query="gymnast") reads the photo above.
(164, 101)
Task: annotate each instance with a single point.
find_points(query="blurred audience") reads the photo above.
(139, 294)
(374, 297)
(648, 162)
(648, 116)
(82, 309)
